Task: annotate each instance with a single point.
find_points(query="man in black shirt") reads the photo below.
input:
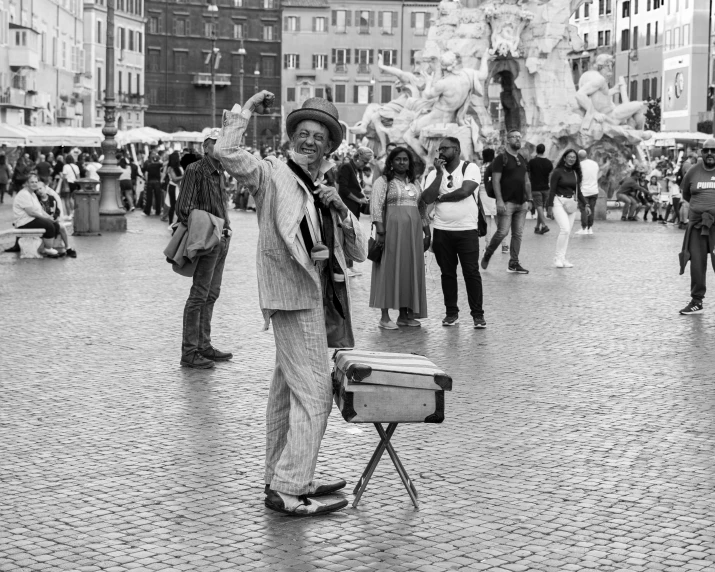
(512, 190)
(153, 168)
(539, 170)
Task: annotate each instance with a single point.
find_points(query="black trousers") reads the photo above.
(451, 247)
(152, 193)
(700, 249)
(587, 220)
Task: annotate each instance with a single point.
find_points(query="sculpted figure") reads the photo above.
(596, 99)
(451, 88)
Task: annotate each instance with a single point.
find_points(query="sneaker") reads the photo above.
(516, 268)
(480, 323)
(72, 253)
(450, 320)
(505, 249)
(692, 308)
(50, 252)
(197, 361)
(545, 229)
(581, 232)
(485, 260)
(589, 230)
(537, 229)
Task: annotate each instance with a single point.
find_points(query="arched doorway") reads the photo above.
(120, 123)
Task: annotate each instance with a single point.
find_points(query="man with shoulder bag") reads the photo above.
(452, 187)
(350, 188)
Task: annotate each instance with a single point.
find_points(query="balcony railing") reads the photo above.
(341, 68)
(204, 79)
(12, 97)
(363, 68)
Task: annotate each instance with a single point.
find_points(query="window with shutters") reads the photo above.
(364, 19)
(291, 24)
(139, 42)
(625, 40)
(667, 40)
(269, 4)
(362, 94)
(131, 40)
(676, 38)
(268, 66)
(600, 38)
(635, 6)
(239, 30)
(180, 61)
(586, 10)
(154, 60)
(341, 59)
(320, 61)
(319, 92)
(153, 96)
(685, 41)
(647, 35)
(633, 91)
(364, 59)
(340, 93)
(655, 34)
(413, 55)
(269, 32)
(341, 21)
(291, 61)
(386, 93)
(120, 87)
(607, 38)
(585, 41)
(420, 23)
(210, 29)
(100, 38)
(180, 27)
(389, 57)
(387, 22)
(153, 24)
(626, 9)
(180, 97)
(646, 88)
(635, 37)
(654, 88)
(238, 3)
(608, 6)
(290, 94)
(320, 24)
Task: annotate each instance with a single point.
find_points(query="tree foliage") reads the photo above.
(652, 115)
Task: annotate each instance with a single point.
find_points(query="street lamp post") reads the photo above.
(241, 71)
(256, 74)
(111, 215)
(212, 62)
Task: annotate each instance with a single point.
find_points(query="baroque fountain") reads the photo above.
(508, 57)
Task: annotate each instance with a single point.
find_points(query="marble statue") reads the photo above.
(493, 65)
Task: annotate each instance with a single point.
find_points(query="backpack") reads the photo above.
(488, 187)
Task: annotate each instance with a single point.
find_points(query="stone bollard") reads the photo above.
(30, 246)
(86, 213)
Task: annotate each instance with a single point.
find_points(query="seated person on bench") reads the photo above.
(28, 213)
(51, 202)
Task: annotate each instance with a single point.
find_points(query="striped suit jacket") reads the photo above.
(284, 282)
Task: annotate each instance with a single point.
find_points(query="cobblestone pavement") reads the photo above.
(579, 435)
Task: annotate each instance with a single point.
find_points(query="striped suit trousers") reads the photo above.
(299, 401)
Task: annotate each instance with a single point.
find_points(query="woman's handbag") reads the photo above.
(374, 250)
(365, 208)
(570, 205)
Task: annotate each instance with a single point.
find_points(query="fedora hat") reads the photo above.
(322, 111)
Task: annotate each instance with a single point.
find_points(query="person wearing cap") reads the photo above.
(698, 188)
(351, 183)
(202, 189)
(306, 236)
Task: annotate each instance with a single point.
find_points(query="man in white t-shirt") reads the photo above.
(452, 187)
(589, 190)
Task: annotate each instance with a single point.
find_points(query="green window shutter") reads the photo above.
(355, 94)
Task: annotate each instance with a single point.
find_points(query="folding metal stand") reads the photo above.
(385, 437)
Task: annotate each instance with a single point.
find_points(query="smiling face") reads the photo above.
(33, 182)
(570, 159)
(311, 139)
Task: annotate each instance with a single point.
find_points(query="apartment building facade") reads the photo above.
(129, 66)
(43, 75)
(594, 23)
(331, 49)
(180, 36)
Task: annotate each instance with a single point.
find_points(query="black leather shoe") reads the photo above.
(197, 361)
(216, 355)
(321, 487)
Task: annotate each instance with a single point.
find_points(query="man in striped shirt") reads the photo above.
(202, 189)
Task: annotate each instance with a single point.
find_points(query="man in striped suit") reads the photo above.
(306, 236)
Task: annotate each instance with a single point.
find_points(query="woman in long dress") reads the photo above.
(398, 280)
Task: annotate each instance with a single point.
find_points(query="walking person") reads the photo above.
(306, 233)
(176, 175)
(201, 191)
(488, 203)
(125, 184)
(70, 176)
(398, 279)
(698, 188)
(351, 186)
(5, 177)
(539, 169)
(452, 187)
(589, 190)
(512, 190)
(152, 192)
(564, 199)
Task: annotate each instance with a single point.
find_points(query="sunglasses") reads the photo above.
(709, 151)
(449, 181)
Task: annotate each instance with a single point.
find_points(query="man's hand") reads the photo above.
(329, 197)
(261, 102)
(550, 212)
(380, 238)
(439, 165)
(501, 207)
